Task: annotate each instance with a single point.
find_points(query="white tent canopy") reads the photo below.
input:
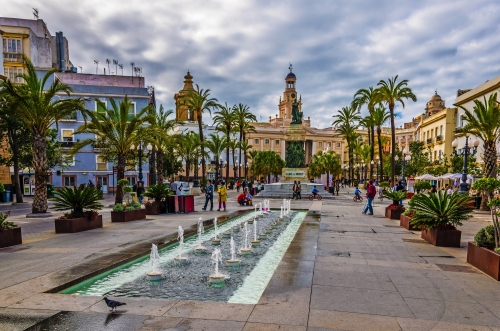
(426, 177)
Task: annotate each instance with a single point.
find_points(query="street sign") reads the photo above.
(115, 170)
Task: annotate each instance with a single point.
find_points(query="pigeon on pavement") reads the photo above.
(113, 304)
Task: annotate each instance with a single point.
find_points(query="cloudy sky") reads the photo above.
(241, 49)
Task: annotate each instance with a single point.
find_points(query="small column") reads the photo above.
(313, 147)
(283, 145)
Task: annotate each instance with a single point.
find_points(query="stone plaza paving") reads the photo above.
(343, 271)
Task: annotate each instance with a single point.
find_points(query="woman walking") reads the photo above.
(222, 195)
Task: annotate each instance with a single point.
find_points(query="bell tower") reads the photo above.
(289, 96)
(182, 113)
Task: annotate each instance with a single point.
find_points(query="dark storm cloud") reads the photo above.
(241, 49)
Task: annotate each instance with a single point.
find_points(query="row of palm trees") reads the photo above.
(377, 99)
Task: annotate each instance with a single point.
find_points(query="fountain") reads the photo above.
(246, 250)
(255, 242)
(233, 262)
(179, 260)
(154, 257)
(200, 249)
(250, 221)
(235, 228)
(274, 225)
(217, 279)
(265, 209)
(281, 214)
(215, 240)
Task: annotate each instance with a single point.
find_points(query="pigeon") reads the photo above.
(113, 304)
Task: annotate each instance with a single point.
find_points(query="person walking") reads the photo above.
(294, 190)
(337, 188)
(209, 195)
(370, 195)
(238, 186)
(91, 184)
(299, 190)
(140, 191)
(222, 195)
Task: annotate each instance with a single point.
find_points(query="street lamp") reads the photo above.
(195, 178)
(404, 162)
(140, 154)
(376, 164)
(465, 152)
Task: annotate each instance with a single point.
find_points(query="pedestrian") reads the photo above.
(370, 195)
(337, 188)
(242, 199)
(294, 190)
(209, 195)
(299, 189)
(433, 189)
(238, 185)
(90, 183)
(222, 195)
(140, 191)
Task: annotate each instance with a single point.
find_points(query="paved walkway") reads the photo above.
(344, 271)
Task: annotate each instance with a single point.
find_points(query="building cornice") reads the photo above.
(479, 91)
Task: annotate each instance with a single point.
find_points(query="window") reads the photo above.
(67, 135)
(266, 141)
(131, 111)
(103, 180)
(441, 130)
(69, 180)
(132, 180)
(101, 164)
(320, 144)
(462, 118)
(100, 108)
(11, 73)
(12, 46)
(329, 144)
(68, 161)
(256, 141)
(337, 145)
(277, 142)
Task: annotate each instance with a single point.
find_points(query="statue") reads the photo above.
(296, 113)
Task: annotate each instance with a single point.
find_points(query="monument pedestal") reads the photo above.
(293, 174)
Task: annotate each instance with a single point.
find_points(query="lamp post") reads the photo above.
(404, 162)
(465, 152)
(246, 171)
(195, 178)
(140, 154)
(363, 169)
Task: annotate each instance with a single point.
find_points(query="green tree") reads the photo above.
(245, 147)
(267, 163)
(295, 154)
(379, 117)
(224, 121)
(325, 163)
(419, 159)
(392, 92)
(216, 145)
(40, 109)
(345, 121)
(115, 133)
(243, 117)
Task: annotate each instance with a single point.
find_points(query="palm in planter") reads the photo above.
(395, 196)
(157, 192)
(77, 200)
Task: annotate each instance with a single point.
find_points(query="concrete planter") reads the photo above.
(80, 224)
(128, 216)
(393, 214)
(10, 237)
(404, 221)
(443, 238)
(153, 209)
(484, 259)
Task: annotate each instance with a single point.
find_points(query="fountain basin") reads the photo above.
(250, 221)
(154, 276)
(181, 260)
(226, 234)
(200, 250)
(233, 263)
(246, 251)
(262, 236)
(274, 226)
(215, 242)
(217, 280)
(235, 229)
(255, 243)
(268, 230)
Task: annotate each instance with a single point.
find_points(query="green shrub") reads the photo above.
(123, 182)
(135, 205)
(128, 189)
(395, 196)
(422, 186)
(384, 184)
(485, 237)
(158, 192)
(129, 208)
(133, 194)
(119, 207)
(2, 188)
(4, 224)
(77, 200)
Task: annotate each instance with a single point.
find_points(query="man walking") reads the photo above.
(370, 195)
(209, 195)
(294, 195)
(299, 189)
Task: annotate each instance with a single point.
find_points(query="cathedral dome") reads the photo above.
(434, 105)
(290, 75)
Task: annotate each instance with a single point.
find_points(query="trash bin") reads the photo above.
(50, 191)
(6, 196)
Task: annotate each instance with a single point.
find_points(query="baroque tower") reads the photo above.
(182, 113)
(289, 96)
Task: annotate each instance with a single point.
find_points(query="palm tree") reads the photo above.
(368, 97)
(224, 121)
(116, 133)
(199, 101)
(367, 123)
(379, 117)
(252, 154)
(189, 150)
(484, 122)
(242, 117)
(390, 93)
(40, 109)
(345, 121)
(216, 145)
(245, 147)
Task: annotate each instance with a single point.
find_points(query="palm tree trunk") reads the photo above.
(372, 150)
(379, 134)
(159, 166)
(202, 143)
(120, 175)
(17, 184)
(40, 167)
(227, 154)
(393, 144)
(490, 159)
(239, 169)
(188, 170)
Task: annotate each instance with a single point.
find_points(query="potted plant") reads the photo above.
(127, 213)
(157, 203)
(484, 252)
(438, 214)
(394, 210)
(83, 204)
(10, 233)
(405, 220)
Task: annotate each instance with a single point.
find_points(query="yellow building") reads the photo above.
(182, 113)
(437, 128)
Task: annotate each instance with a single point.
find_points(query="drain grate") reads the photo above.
(457, 268)
(416, 241)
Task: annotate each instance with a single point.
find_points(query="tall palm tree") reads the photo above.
(345, 121)
(245, 147)
(368, 97)
(242, 117)
(484, 122)
(379, 117)
(216, 145)
(224, 121)
(199, 101)
(40, 108)
(366, 123)
(189, 150)
(116, 133)
(391, 92)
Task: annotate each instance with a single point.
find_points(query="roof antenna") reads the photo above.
(35, 13)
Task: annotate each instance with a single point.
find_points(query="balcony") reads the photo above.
(439, 138)
(13, 57)
(70, 117)
(429, 140)
(67, 144)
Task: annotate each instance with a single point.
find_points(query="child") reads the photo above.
(357, 193)
(249, 199)
(314, 190)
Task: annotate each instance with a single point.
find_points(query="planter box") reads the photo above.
(484, 259)
(77, 224)
(409, 195)
(404, 221)
(153, 209)
(10, 237)
(393, 214)
(128, 216)
(443, 238)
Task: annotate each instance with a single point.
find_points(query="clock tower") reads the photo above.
(289, 96)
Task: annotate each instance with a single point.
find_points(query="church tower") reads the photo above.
(289, 96)
(182, 113)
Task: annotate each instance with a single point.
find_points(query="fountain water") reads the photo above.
(154, 257)
(200, 248)
(180, 236)
(281, 214)
(233, 262)
(215, 240)
(216, 279)
(246, 250)
(255, 241)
